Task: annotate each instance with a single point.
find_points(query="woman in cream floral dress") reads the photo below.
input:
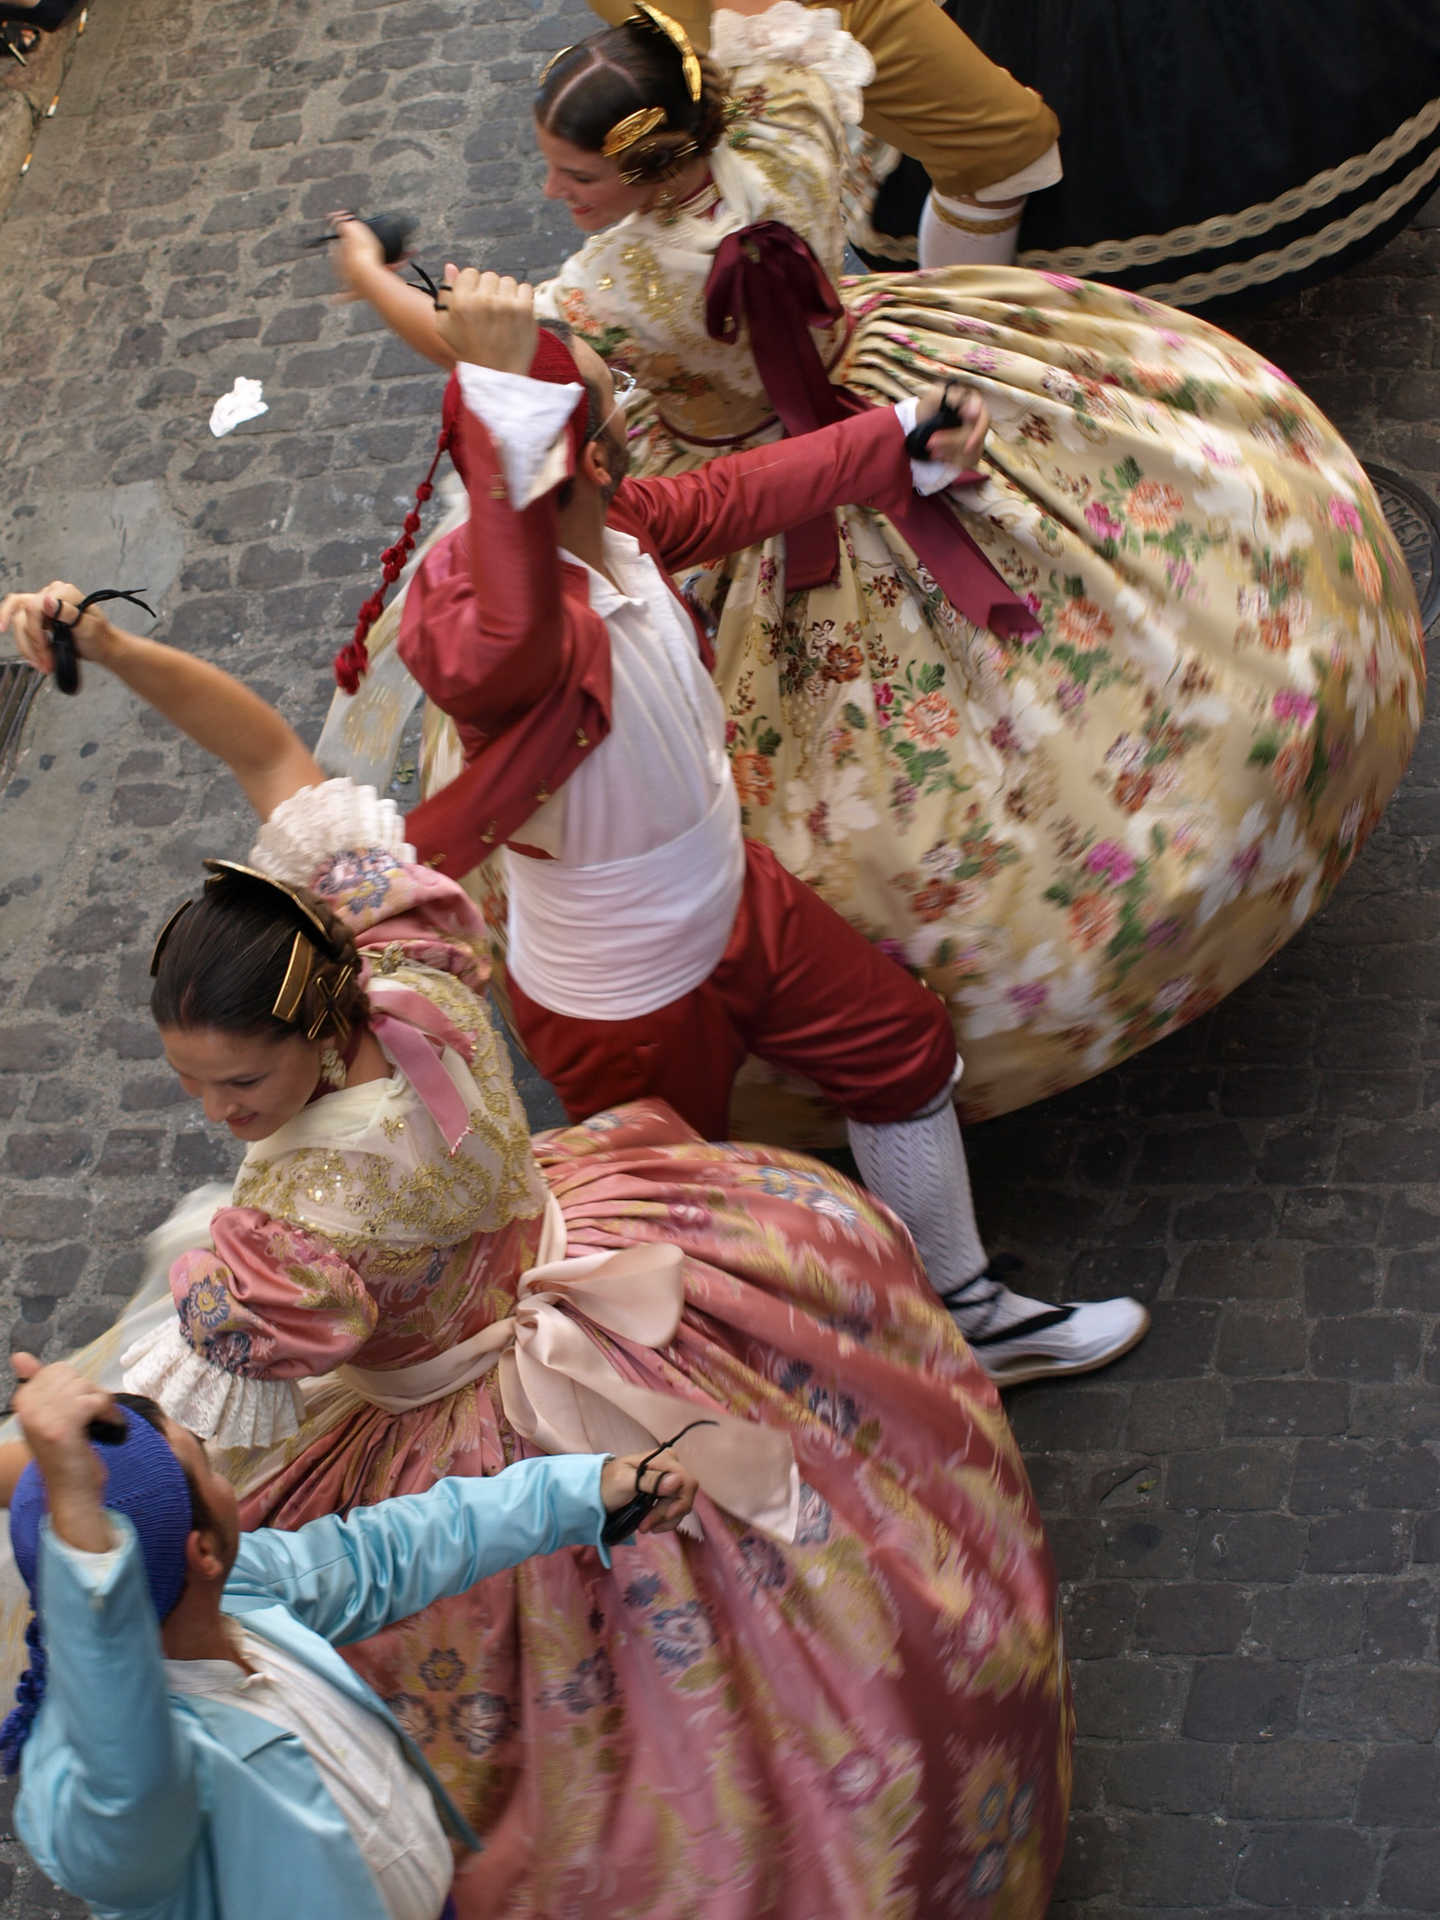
(844, 1694)
(1083, 836)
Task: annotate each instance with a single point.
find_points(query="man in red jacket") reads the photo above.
(651, 947)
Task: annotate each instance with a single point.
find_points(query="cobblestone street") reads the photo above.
(1246, 1510)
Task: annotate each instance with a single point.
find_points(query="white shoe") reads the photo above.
(1016, 1339)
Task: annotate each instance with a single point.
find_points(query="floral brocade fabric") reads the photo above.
(1085, 838)
(871, 1719)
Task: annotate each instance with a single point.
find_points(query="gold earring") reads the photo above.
(332, 1066)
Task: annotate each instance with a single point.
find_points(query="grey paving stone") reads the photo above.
(1154, 1777)
(1372, 1701)
(1400, 1788)
(1411, 1876)
(1243, 1699)
(1193, 1617)
(1295, 1780)
(1313, 1862)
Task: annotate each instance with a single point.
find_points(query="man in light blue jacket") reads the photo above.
(193, 1746)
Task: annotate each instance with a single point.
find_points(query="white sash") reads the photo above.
(612, 941)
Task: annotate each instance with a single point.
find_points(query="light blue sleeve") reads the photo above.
(108, 1802)
(346, 1579)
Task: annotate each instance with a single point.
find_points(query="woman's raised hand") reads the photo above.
(356, 255)
(25, 615)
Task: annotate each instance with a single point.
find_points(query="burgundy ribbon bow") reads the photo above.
(767, 276)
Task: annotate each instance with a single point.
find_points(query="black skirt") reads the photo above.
(1211, 147)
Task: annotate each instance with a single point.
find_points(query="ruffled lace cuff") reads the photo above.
(791, 35)
(305, 832)
(227, 1408)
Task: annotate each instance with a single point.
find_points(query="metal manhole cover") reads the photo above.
(17, 689)
(1415, 522)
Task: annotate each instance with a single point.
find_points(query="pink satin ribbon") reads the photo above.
(415, 1033)
(561, 1392)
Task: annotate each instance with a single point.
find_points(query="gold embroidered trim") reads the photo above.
(941, 210)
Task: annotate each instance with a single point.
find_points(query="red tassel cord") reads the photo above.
(353, 659)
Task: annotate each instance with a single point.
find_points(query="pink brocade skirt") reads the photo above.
(871, 1721)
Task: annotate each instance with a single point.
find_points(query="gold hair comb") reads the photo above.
(679, 39)
(633, 127)
(553, 62)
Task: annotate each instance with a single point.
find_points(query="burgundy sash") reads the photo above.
(767, 277)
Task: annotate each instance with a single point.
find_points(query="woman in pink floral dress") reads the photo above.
(845, 1695)
(1084, 835)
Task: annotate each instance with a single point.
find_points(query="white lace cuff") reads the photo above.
(305, 832)
(227, 1408)
(791, 35)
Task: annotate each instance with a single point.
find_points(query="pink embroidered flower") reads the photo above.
(931, 719)
(1344, 514)
(1066, 282)
(1290, 705)
(1102, 522)
(1109, 858)
(1030, 997)
(884, 701)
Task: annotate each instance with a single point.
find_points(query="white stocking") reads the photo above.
(981, 229)
(963, 233)
(917, 1168)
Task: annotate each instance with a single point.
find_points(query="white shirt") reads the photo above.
(644, 838)
(386, 1805)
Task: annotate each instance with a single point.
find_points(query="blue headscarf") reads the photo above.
(145, 1482)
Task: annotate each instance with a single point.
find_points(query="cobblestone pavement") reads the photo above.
(1244, 1510)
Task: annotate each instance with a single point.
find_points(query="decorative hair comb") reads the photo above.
(633, 127)
(680, 40)
(61, 634)
(311, 942)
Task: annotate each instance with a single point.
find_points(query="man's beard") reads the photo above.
(617, 461)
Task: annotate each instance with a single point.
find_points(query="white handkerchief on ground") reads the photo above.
(243, 402)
